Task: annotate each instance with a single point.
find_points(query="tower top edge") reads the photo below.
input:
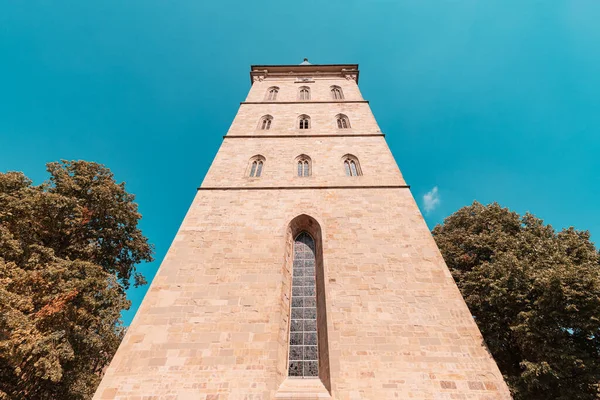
(259, 72)
(303, 67)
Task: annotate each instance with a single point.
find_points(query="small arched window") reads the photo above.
(336, 93)
(304, 165)
(303, 122)
(304, 93)
(342, 121)
(265, 122)
(272, 93)
(256, 166)
(351, 165)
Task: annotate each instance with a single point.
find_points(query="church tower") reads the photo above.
(303, 268)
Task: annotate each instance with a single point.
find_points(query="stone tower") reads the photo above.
(303, 268)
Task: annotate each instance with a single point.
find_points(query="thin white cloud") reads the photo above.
(431, 200)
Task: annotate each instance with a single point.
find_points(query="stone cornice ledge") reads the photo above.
(303, 136)
(304, 102)
(303, 187)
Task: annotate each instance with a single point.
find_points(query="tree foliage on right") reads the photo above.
(535, 295)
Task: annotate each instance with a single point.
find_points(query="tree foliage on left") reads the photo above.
(68, 251)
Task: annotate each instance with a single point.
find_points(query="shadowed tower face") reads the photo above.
(303, 268)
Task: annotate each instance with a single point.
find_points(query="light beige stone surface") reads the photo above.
(214, 324)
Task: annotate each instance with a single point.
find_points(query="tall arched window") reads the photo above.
(304, 354)
(256, 166)
(303, 122)
(265, 122)
(306, 351)
(304, 165)
(336, 93)
(342, 121)
(351, 165)
(304, 93)
(272, 93)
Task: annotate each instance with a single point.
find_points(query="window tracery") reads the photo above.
(336, 93)
(351, 165)
(272, 93)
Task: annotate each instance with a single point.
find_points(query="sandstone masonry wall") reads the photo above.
(210, 325)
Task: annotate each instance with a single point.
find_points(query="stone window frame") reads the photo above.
(351, 165)
(255, 167)
(303, 122)
(303, 93)
(305, 223)
(303, 164)
(265, 122)
(271, 94)
(336, 92)
(342, 121)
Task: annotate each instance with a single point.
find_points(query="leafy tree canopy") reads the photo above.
(535, 295)
(68, 251)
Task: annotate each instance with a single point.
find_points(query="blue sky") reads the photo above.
(485, 100)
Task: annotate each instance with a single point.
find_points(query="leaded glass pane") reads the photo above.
(296, 368)
(303, 352)
(311, 368)
(347, 167)
(259, 169)
(353, 168)
(299, 168)
(253, 169)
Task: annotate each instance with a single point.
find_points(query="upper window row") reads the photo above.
(303, 122)
(304, 166)
(304, 93)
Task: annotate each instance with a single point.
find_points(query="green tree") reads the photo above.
(68, 251)
(535, 295)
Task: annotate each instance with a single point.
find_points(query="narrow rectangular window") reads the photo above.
(303, 354)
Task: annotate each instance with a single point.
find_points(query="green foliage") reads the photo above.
(535, 295)
(68, 250)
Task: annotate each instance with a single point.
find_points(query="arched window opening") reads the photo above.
(303, 350)
(303, 165)
(336, 93)
(304, 122)
(351, 166)
(265, 122)
(256, 166)
(304, 93)
(342, 121)
(272, 93)
(305, 353)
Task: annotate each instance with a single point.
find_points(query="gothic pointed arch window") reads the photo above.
(336, 93)
(265, 122)
(306, 351)
(303, 122)
(255, 166)
(303, 165)
(342, 121)
(351, 165)
(304, 93)
(272, 93)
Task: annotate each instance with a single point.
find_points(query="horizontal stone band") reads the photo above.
(304, 187)
(301, 136)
